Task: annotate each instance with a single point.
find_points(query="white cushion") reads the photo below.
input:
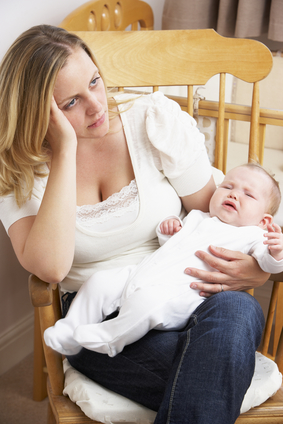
(103, 405)
(266, 381)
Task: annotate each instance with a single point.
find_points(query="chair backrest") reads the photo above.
(110, 15)
(183, 58)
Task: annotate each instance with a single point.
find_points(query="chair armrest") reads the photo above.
(41, 293)
(44, 296)
(277, 277)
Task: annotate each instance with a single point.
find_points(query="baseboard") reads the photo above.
(16, 343)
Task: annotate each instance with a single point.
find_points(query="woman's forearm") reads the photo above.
(47, 247)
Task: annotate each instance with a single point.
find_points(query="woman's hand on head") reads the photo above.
(237, 271)
(60, 134)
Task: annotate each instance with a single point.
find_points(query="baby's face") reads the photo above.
(242, 198)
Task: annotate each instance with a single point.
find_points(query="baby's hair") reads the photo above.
(275, 193)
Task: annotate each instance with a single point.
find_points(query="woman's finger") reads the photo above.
(226, 254)
(208, 289)
(223, 260)
(211, 277)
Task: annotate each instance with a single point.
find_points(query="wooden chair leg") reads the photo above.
(39, 376)
(270, 318)
(50, 417)
(278, 320)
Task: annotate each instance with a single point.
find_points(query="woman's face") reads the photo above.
(80, 93)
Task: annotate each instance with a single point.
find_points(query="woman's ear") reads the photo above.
(267, 219)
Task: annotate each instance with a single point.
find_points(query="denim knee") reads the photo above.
(214, 361)
(236, 313)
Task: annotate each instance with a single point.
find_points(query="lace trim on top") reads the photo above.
(118, 204)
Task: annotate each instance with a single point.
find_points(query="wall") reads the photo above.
(16, 312)
(18, 15)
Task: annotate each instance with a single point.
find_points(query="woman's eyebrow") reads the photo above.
(66, 99)
(95, 75)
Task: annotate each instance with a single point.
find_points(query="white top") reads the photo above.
(117, 211)
(169, 160)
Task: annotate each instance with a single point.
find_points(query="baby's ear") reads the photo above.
(267, 219)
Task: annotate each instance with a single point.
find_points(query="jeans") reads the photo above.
(197, 375)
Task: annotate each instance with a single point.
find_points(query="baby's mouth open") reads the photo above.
(229, 205)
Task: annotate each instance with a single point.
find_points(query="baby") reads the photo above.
(156, 293)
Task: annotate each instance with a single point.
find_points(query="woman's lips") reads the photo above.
(99, 122)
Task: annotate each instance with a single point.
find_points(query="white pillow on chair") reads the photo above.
(103, 405)
(266, 381)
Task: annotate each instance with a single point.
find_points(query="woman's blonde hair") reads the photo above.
(27, 77)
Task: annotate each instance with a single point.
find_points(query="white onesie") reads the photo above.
(153, 294)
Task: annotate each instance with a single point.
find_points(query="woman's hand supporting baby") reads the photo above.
(237, 271)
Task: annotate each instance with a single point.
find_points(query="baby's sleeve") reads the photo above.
(261, 253)
(182, 155)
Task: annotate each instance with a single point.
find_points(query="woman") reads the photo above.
(84, 182)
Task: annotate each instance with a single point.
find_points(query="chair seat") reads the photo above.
(270, 412)
(65, 410)
(103, 405)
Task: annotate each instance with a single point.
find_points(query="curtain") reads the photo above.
(230, 18)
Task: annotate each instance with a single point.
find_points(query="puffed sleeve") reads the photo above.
(9, 210)
(182, 154)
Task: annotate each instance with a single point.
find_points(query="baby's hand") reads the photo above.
(274, 241)
(170, 226)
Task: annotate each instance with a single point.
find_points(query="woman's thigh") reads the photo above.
(140, 372)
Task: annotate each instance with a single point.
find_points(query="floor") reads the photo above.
(16, 404)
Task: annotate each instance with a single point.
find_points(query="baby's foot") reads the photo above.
(60, 342)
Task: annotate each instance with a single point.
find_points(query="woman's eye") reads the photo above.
(70, 104)
(94, 81)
